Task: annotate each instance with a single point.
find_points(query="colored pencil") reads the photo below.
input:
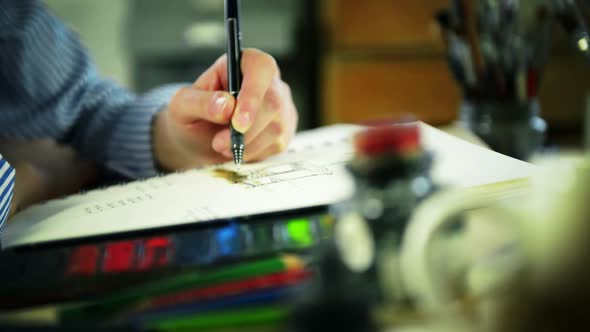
(117, 302)
(226, 289)
(272, 296)
(244, 318)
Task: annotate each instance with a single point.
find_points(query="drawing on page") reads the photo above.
(273, 174)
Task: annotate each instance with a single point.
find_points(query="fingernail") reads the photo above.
(242, 121)
(220, 145)
(219, 104)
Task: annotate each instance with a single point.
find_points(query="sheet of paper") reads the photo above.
(310, 173)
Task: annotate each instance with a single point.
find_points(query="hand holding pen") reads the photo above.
(233, 36)
(242, 120)
(193, 131)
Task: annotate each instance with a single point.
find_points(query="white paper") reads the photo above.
(310, 173)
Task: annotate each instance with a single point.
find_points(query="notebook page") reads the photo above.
(310, 173)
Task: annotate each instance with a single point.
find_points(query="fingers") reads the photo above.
(275, 137)
(221, 143)
(270, 141)
(273, 105)
(270, 151)
(191, 104)
(275, 124)
(215, 77)
(258, 71)
(198, 116)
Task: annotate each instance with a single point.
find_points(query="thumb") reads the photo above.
(191, 104)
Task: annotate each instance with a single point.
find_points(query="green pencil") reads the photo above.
(112, 304)
(231, 319)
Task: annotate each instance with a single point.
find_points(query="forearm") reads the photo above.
(44, 170)
(49, 87)
(127, 134)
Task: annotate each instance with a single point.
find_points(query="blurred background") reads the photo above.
(344, 64)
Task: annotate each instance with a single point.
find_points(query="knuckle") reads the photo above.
(253, 57)
(267, 60)
(176, 104)
(273, 100)
(277, 127)
(287, 89)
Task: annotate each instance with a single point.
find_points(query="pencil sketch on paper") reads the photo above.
(273, 174)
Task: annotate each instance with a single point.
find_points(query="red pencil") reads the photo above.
(287, 278)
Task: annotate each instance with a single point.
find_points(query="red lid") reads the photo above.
(388, 139)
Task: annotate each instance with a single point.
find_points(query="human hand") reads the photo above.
(45, 170)
(193, 131)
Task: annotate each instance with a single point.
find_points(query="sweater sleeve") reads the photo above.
(49, 87)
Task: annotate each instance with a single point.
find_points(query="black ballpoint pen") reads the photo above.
(234, 73)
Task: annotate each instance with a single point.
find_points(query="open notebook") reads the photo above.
(310, 173)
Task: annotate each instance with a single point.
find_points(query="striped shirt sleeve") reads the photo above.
(49, 87)
(6, 189)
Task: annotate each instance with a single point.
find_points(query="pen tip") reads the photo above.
(238, 152)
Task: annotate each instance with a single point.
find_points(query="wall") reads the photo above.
(101, 25)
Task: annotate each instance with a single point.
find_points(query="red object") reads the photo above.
(287, 278)
(83, 261)
(532, 84)
(388, 139)
(118, 257)
(156, 253)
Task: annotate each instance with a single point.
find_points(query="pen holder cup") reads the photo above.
(522, 249)
(513, 129)
(497, 53)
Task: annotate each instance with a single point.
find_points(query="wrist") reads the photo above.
(162, 143)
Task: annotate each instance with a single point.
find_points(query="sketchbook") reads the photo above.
(310, 173)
